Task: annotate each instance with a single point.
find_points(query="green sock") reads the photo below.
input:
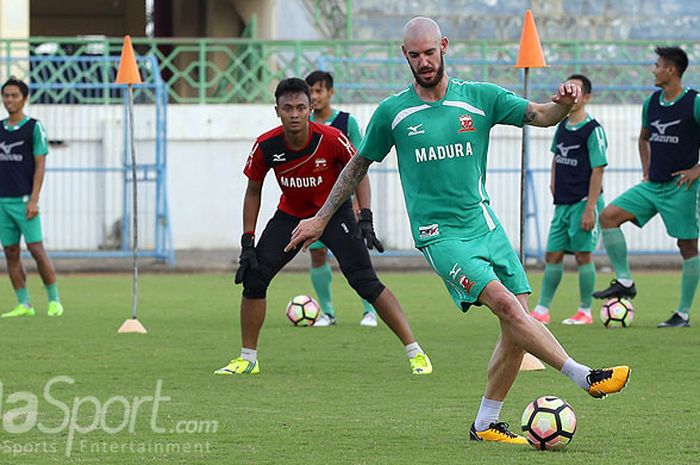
(367, 307)
(616, 247)
(52, 292)
(550, 281)
(586, 284)
(689, 283)
(321, 278)
(23, 296)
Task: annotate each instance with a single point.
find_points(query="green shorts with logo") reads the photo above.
(676, 205)
(565, 233)
(467, 266)
(14, 223)
(317, 245)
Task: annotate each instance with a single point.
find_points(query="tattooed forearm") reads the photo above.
(545, 114)
(352, 174)
(530, 114)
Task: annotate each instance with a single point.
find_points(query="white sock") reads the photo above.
(587, 311)
(542, 310)
(625, 281)
(577, 372)
(489, 411)
(413, 349)
(249, 355)
(683, 315)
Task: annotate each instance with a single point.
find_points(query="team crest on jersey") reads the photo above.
(466, 124)
(430, 230)
(466, 283)
(320, 164)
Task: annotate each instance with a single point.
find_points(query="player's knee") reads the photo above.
(583, 258)
(688, 248)
(508, 309)
(12, 253)
(318, 257)
(254, 285)
(609, 217)
(37, 250)
(553, 257)
(365, 283)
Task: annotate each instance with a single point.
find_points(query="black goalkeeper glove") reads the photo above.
(365, 231)
(248, 259)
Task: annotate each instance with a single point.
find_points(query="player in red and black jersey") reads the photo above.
(306, 158)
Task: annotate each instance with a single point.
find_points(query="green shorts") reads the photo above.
(467, 266)
(318, 245)
(14, 223)
(677, 206)
(565, 233)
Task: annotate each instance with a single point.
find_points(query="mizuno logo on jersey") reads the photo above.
(278, 157)
(442, 152)
(661, 127)
(7, 154)
(320, 164)
(428, 231)
(661, 135)
(307, 181)
(415, 130)
(564, 149)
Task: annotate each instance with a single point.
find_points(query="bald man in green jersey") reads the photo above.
(440, 127)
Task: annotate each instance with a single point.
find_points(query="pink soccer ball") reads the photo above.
(617, 313)
(303, 310)
(549, 423)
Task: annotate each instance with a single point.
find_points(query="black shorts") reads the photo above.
(339, 237)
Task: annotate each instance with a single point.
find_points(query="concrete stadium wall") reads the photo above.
(208, 146)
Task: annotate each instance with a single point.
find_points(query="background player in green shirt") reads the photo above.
(23, 147)
(669, 145)
(579, 147)
(440, 128)
(321, 86)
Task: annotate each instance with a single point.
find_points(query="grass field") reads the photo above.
(339, 395)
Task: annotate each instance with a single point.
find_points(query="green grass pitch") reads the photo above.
(339, 395)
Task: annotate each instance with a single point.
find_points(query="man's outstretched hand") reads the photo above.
(306, 233)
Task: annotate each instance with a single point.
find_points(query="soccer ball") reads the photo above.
(617, 313)
(303, 310)
(549, 423)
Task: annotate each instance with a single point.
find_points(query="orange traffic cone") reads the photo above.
(530, 54)
(128, 72)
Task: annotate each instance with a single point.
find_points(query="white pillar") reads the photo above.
(14, 24)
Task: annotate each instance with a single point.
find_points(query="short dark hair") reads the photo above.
(587, 87)
(320, 76)
(292, 86)
(13, 81)
(674, 55)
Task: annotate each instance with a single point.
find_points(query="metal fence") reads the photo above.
(247, 70)
(86, 198)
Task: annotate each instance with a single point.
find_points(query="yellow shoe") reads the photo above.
(420, 365)
(20, 310)
(238, 366)
(608, 380)
(497, 432)
(55, 308)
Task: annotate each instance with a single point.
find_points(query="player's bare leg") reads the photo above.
(518, 328)
(43, 262)
(18, 277)
(252, 319)
(389, 310)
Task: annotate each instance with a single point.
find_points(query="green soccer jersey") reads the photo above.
(441, 149)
